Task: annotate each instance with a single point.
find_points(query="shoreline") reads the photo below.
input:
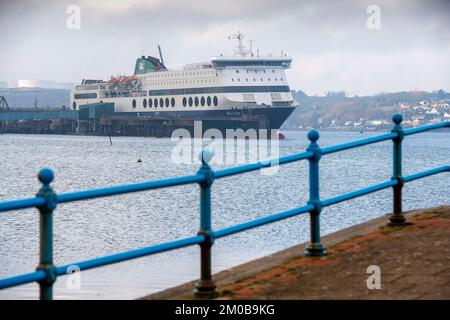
(245, 271)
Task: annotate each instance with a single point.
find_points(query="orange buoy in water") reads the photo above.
(279, 135)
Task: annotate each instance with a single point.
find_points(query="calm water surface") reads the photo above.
(99, 227)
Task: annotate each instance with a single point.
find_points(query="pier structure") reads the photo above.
(38, 121)
(46, 201)
(100, 119)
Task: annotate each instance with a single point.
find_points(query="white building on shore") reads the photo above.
(49, 84)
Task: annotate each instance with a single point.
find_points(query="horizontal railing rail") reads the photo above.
(46, 201)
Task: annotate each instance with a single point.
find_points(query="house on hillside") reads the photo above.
(433, 111)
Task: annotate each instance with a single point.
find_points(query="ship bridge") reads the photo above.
(246, 58)
(240, 62)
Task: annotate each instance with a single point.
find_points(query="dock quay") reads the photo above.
(100, 119)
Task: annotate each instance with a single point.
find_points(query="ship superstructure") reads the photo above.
(242, 85)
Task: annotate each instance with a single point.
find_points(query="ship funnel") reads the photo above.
(160, 54)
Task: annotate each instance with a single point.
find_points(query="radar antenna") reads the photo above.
(240, 48)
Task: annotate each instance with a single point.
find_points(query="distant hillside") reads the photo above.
(44, 98)
(320, 111)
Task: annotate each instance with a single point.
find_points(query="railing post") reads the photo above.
(205, 287)
(315, 248)
(397, 216)
(46, 234)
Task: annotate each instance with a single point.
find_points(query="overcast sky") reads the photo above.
(331, 46)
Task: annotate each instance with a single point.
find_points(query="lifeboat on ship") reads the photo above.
(122, 79)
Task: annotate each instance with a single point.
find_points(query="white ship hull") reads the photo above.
(245, 86)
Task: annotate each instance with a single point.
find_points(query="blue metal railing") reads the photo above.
(46, 201)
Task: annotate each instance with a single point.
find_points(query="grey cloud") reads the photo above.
(328, 40)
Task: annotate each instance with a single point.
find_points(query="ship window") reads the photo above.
(167, 102)
(214, 90)
(254, 79)
(156, 103)
(208, 101)
(150, 101)
(190, 101)
(184, 101)
(134, 103)
(144, 102)
(85, 95)
(161, 102)
(239, 79)
(237, 71)
(202, 101)
(276, 79)
(262, 79)
(196, 101)
(246, 79)
(172, 102)
(216, 102)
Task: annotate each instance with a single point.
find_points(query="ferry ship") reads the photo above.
(242, 86)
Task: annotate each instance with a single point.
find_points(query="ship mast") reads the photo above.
(240, 48)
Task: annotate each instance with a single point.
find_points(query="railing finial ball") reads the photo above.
(46, 175)
(205, 156)
(397, 118)
(313, 135)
